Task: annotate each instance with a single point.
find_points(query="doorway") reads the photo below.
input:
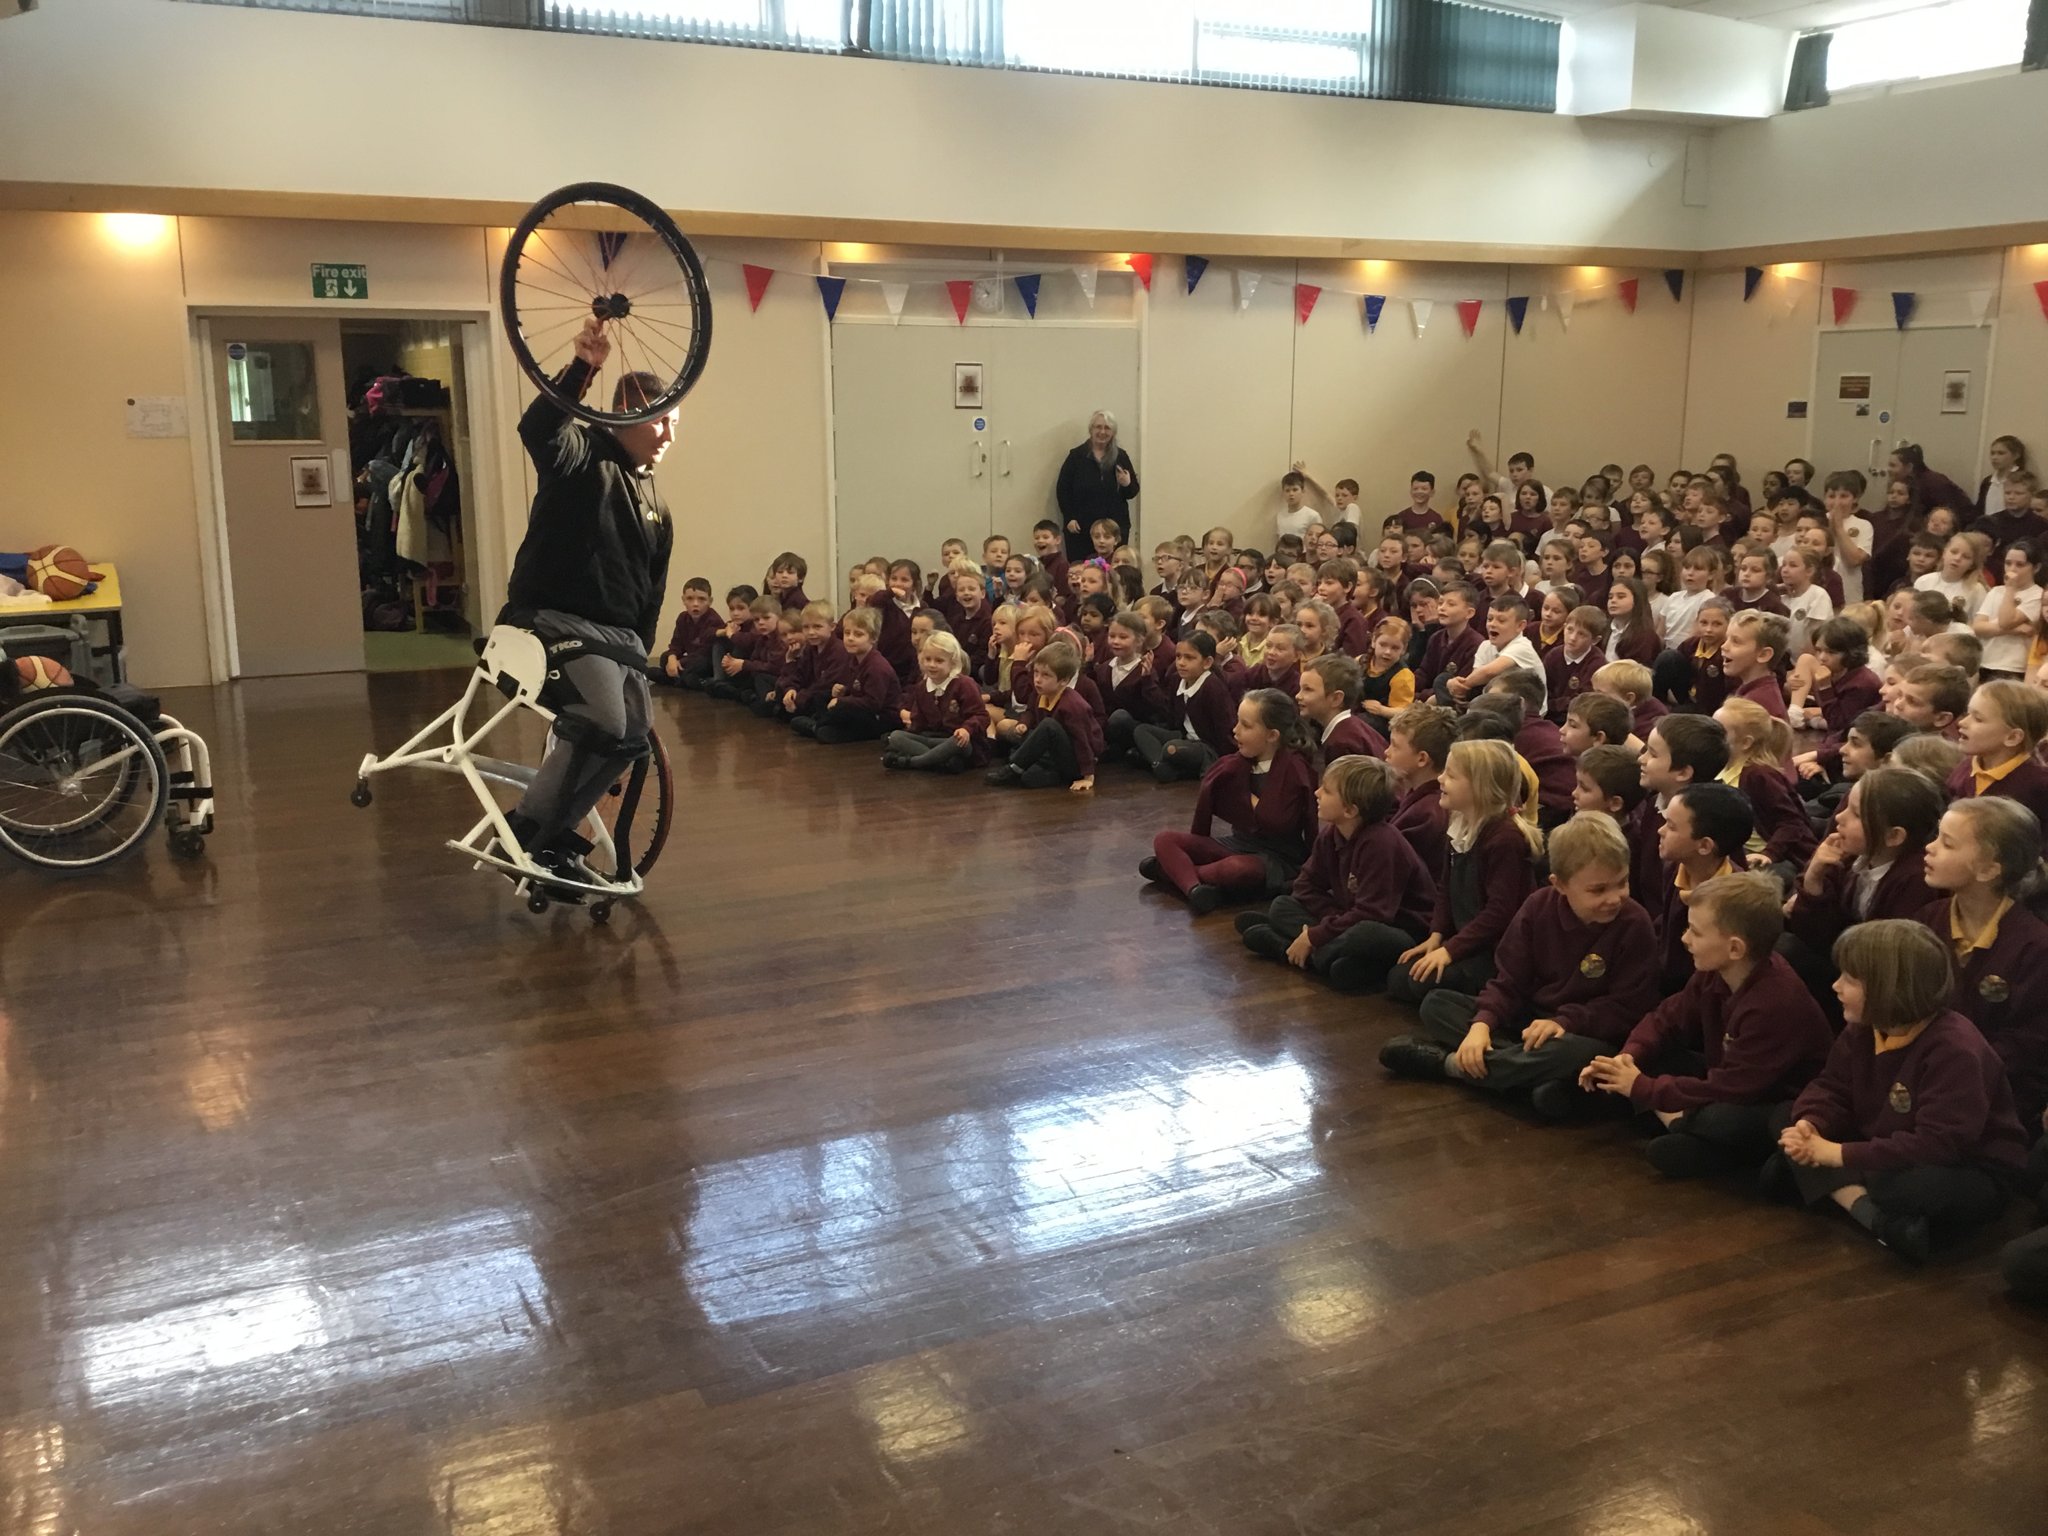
(915, 466)
(1876, 389)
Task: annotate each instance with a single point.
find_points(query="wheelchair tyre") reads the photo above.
(82, 782)
(657, 806)
(187, 845)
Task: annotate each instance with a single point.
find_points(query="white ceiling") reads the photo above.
(1792, 15)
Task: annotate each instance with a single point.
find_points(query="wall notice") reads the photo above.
(156, 416)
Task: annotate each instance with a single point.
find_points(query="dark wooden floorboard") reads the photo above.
(897, 1165)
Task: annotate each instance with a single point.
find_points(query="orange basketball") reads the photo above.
(37, 672)
(59, 572)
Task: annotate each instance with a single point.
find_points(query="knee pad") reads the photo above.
(585, 737)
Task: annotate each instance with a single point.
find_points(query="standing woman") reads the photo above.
(1097, 481)
(1934, 489)
(2007, 455)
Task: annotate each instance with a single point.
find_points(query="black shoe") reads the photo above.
(1163, 771)
(1406, 1056)
(1149, 870)
(1556, 1100)
(1678, 1156)
(804, 725)
(1204, 899)
(1907, 1236)
(894, 760)
(1003, 776)
(1244, 922)
(1777, 1180)
(1261, 940)
(1352, 975)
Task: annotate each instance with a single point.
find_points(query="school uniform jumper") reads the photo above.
(1363, 899)
(1482, 889)
(1272, 818)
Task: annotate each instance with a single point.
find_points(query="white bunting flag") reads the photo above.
(1420, 309)
(893, 295)
(1247, 281)
(1980, 306)
(1565, 301)
(1085, 276)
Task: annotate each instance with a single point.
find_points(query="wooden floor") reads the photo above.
(896, 1165)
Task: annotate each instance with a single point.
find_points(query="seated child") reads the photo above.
(1546, 630)
(1281, 668)
(864, 706)
(687, 661)
(1985, 866)
(945, 722)
(1124, 679)
(1610, 779)
(1328, 686)
(805, 684)
(1749, 659)
(1576, 969)
(1629, 681)
(1418, 739)
(1159, 617)
(754, 658)
(785, 580)
(1871, 866)
(969, 612)
(1758, 746)
(1704, 683)
(1450, 650)
(1714, 1062)
(1832, 687)
(1536, 741)
(2002, 732)
(739, 620)
(1265, 789)
(1597, 719)
(1059, 738)
(1931, 697)
(896, 605)
(1219, 626)
(1506, 648)
(1933, 757)
(1706, 827)
(1261, 613)
(1568, 670)
(1681, 750)
(1910, 1126)
(1200, 717)
(1490, 871)
(1362, 897)
(1386, 684)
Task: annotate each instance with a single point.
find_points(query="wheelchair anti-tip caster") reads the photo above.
(187, 844)
(536, 901)
(601, 912)
(360, 795)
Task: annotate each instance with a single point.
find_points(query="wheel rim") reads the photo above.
(78, 786)
(650, 821)
(595, 249)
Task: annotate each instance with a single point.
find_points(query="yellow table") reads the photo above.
(103, 603)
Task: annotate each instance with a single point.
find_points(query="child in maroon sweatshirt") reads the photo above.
(1418, 740)
(1362, 897)
(1061, 735)
(805, 686)
(1910, 1127)
(1715, 1062)
(687, 661)
(865, 705)
(945, 722)
(1573, 972)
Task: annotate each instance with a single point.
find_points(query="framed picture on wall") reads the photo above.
(1955, 392)
(311, 486)
(967, 386)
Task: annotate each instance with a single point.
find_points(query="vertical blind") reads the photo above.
(1404, 50)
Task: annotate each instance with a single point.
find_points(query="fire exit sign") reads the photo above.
(346, 281)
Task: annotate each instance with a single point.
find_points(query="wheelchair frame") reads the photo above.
(187, 815)
(515, 664)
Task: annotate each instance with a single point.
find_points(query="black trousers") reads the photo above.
(2025, 1260)
(1369, 947)
(1511, 1067)
(1954, 1200)
(849, 722)
(1468, 975)
(1045, 757)
(1171, 754)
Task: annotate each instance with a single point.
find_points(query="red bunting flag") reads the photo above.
(2041, 293)
(1305, 296)
(757, 283)
(1627, 288)
(960, 290)
(1845, 304)
(1468, 314)
(1141, 263)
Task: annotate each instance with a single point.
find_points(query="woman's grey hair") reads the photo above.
(1110, 449)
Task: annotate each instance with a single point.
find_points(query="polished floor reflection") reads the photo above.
(894, 1166)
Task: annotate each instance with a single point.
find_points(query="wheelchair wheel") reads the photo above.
(82, 782)
(596, 249)
(656, 810)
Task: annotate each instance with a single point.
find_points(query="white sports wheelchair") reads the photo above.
(514, 664)
(86, 774)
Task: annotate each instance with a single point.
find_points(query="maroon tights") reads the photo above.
(1187, 861)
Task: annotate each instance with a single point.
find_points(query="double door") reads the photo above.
(915, 466)
(1879, 388)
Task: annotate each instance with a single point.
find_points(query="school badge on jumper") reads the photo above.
(1900, 1100)
(1592, 967)
(1994, 989)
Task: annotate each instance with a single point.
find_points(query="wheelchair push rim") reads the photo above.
(82, 782)
(597, 249)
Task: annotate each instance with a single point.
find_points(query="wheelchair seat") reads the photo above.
(516, 663)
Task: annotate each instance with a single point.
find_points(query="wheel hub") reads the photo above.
(611, 306)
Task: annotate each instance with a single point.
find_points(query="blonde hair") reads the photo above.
(1494, 770)
(819, 612)
(1771, 737)
(943, 642)
(1868, 617)
(867, 620)
(1034, 613)
(1590, 839)
(964, 567)
(1005, 611)
(1628, 676)
(1327, 619)
(1931, 756)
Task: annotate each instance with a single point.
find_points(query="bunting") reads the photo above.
(1085, 276)
(2041, 293)
(609, 243)
(1421, 309)
(1468, 314)
(1628, 288)
(758, 279)
(1518, 310)
(1305, 296)
(1980, 303)
(1903, 305)
(1751, 276)
(1027, 290)
(1565, 301)
(1372, 303)
(893, 295)
(1247, 280)
(1845, 304)
(1140, 262)
(829, 289)
(1195, 267)
(960, 290)
(1674, 279)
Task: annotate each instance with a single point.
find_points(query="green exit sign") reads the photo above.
(346, 281)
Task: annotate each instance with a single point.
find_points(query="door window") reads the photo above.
(273, 392)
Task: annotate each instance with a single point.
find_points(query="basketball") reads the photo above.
(38, 672)
(59, 572)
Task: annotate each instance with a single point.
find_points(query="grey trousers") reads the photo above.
(1510, 1067)
(1372, 947)
(612, 702)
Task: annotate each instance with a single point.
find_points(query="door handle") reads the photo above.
(1876, 443)
(1003, 460)
(977, 458)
